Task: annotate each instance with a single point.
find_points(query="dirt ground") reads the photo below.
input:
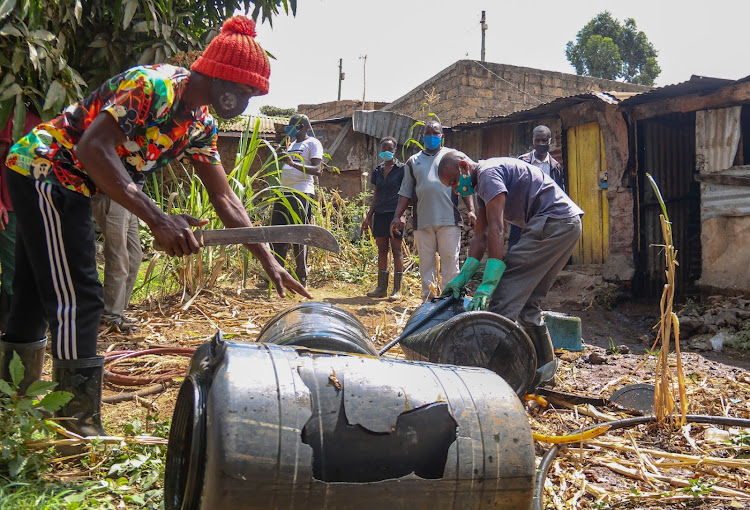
(579, 291)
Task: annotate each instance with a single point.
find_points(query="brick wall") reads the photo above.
(471, 91)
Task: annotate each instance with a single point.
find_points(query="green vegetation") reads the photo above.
(51, 52)
(23, 454)
(741, 338)
(106, 475)
(255, 180)
(606, 48)
(276, 111)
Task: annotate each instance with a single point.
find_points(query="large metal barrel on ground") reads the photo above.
(318, 325)
(477, 339)
(259, 426)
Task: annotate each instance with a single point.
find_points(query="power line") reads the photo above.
(509, 83)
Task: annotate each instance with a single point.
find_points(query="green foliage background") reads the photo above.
(53, 51)
(276, 111)
(606, 48)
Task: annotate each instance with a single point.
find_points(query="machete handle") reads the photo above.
(198, 233)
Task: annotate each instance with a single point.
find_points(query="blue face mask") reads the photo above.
(432, 142)
(291, 131)
(386, 155)
(464, 185)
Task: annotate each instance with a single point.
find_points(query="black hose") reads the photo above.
(550, 455)
(541, 475)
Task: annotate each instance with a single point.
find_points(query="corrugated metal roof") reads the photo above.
(333, 120)
(551, 108)
(695, 85)
(267, 124)
(379, 124)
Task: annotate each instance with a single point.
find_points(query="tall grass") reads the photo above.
(258, 186)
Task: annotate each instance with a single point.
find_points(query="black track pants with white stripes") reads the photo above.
(56, 282)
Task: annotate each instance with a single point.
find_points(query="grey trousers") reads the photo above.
(122, 252)
(532, 266)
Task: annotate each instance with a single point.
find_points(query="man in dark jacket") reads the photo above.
(541, 158)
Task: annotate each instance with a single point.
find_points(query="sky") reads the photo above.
(406, 42)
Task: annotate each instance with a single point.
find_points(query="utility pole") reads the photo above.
(364, 78)
(341, 77)
(484, 29)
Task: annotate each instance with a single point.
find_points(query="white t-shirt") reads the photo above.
(310, 148)
(436, 204)
(543, 165)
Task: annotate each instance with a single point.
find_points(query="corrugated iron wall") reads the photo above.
(666, 151)
(497, 140)
(468, 142)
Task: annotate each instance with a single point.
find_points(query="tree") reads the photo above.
(52, 51)
(605, 48)
(276, 111)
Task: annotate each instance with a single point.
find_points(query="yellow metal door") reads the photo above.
(587, 174)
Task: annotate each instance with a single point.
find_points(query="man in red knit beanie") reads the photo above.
(132, 125)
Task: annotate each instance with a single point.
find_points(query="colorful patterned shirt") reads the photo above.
(146, 103)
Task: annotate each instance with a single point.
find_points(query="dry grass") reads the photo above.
(642, 467)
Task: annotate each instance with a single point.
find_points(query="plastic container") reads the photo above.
(318, 325)
(477, 339)
(565, 331)
(259, 426)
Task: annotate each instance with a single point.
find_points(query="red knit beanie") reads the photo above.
(235, 55)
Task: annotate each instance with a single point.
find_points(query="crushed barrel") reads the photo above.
(275, 426)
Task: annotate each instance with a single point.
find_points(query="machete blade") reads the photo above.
(310, 235)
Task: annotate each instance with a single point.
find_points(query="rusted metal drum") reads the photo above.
(318, 325)
(475, 339)
(259, 426)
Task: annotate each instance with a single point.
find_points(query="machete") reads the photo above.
(310, 235)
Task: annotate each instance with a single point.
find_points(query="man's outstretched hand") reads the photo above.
(283, 281)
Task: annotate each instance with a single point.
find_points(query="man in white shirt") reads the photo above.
(302, 161)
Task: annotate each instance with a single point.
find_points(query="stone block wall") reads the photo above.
(472, 91)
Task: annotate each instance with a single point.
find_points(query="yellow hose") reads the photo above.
(578, 437)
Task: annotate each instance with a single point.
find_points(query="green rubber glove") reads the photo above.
(493, 271)
(457, 284)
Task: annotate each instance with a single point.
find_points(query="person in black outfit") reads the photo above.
(386, 180)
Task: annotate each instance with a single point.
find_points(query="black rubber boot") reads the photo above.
(32, 357)
(546, 362)
(396, 286)
(4, 310)
(82, 378)
(382, 289)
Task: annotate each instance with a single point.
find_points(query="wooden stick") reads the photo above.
(671, 480)
(694, 459)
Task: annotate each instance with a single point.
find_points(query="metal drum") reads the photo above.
(260, 426)
(475, 339)
(318, 325)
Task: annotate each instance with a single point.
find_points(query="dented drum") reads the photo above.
(268, 426)
(318, 325)
(476, 339)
